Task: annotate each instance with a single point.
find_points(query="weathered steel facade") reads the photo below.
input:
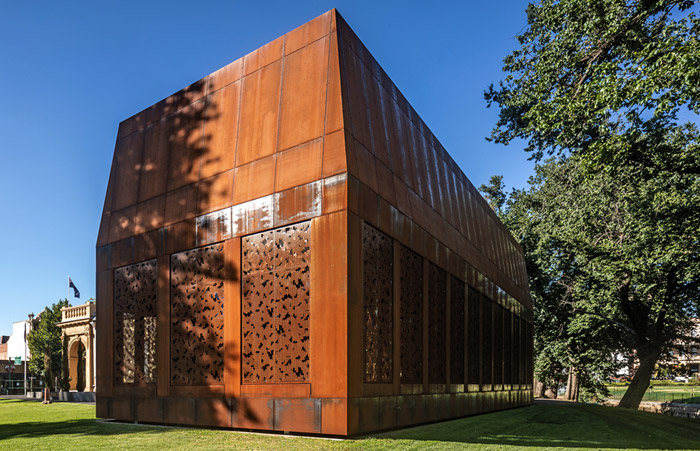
(286, 246)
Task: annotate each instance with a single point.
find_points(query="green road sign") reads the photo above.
(18, 360)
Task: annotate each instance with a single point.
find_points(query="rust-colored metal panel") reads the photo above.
(102, 407)
(309, 32)
(329, 305)
(254, 180)
(122, 409)
(149, 215)
(334, 102)
(299, 165)
(257, 134)
(303, 105)
(276, 390)
(385, 183)
(104, 330)
(153, 179)
(146, 245)
(366, 166)
(217, 412)
(149, 410)
(334, 159)
(335, 193)
(180, 236)
(122, 224)
(254, 413)
(127, 154)
(368, 204)
(298, 204)
(357, 100)
(214, 193)
(181, 204)
(265, 55)
(220, 130)
(197, 322)
(179, 410)
(122, 252)
(225, 76)
(103, 258)
(334, 416)
(186, 145)
(295, 414)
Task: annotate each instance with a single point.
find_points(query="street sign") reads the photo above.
(9, 368)
(18, 360)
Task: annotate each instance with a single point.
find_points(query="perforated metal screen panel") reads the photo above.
(276, 282)
(135, 304)
(411, 273)
(197, 316)
(378, 302)
(457, 339)
(437, 326)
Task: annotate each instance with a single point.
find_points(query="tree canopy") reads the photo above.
(610, 226)
(45, 343)
(594, 77)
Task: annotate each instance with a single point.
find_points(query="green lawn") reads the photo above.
(29, 425)
(687, 394)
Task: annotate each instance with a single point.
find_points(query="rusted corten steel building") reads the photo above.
(286, 246)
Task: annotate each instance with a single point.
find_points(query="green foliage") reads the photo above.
(591, 77)
(494, 194)
(614, 263)
(609, 227)
(65, 375)
(45, 343)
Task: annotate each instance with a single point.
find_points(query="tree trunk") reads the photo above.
(539, 389)
(572, 385)
(573, 392)
(640, 382)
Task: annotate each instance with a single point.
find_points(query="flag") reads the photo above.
(76, 293)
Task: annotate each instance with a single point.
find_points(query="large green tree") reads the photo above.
(592, 77)
(605, 83)
(614, 264)
(45, 344)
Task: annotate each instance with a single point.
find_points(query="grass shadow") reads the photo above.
(567, 425)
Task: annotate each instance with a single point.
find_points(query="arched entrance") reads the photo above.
(76, 365)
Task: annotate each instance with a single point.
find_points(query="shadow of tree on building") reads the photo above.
(181, 175)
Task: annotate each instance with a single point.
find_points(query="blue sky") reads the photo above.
(71, 71)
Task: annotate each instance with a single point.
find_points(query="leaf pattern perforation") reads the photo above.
(275, 284)
(378, 294)
(437, 325)
(197, 316)
(135, 312)
(411, 286)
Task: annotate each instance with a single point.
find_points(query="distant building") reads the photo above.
(3, 347)
(17, 343)
(78, 323)
(686, 355)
